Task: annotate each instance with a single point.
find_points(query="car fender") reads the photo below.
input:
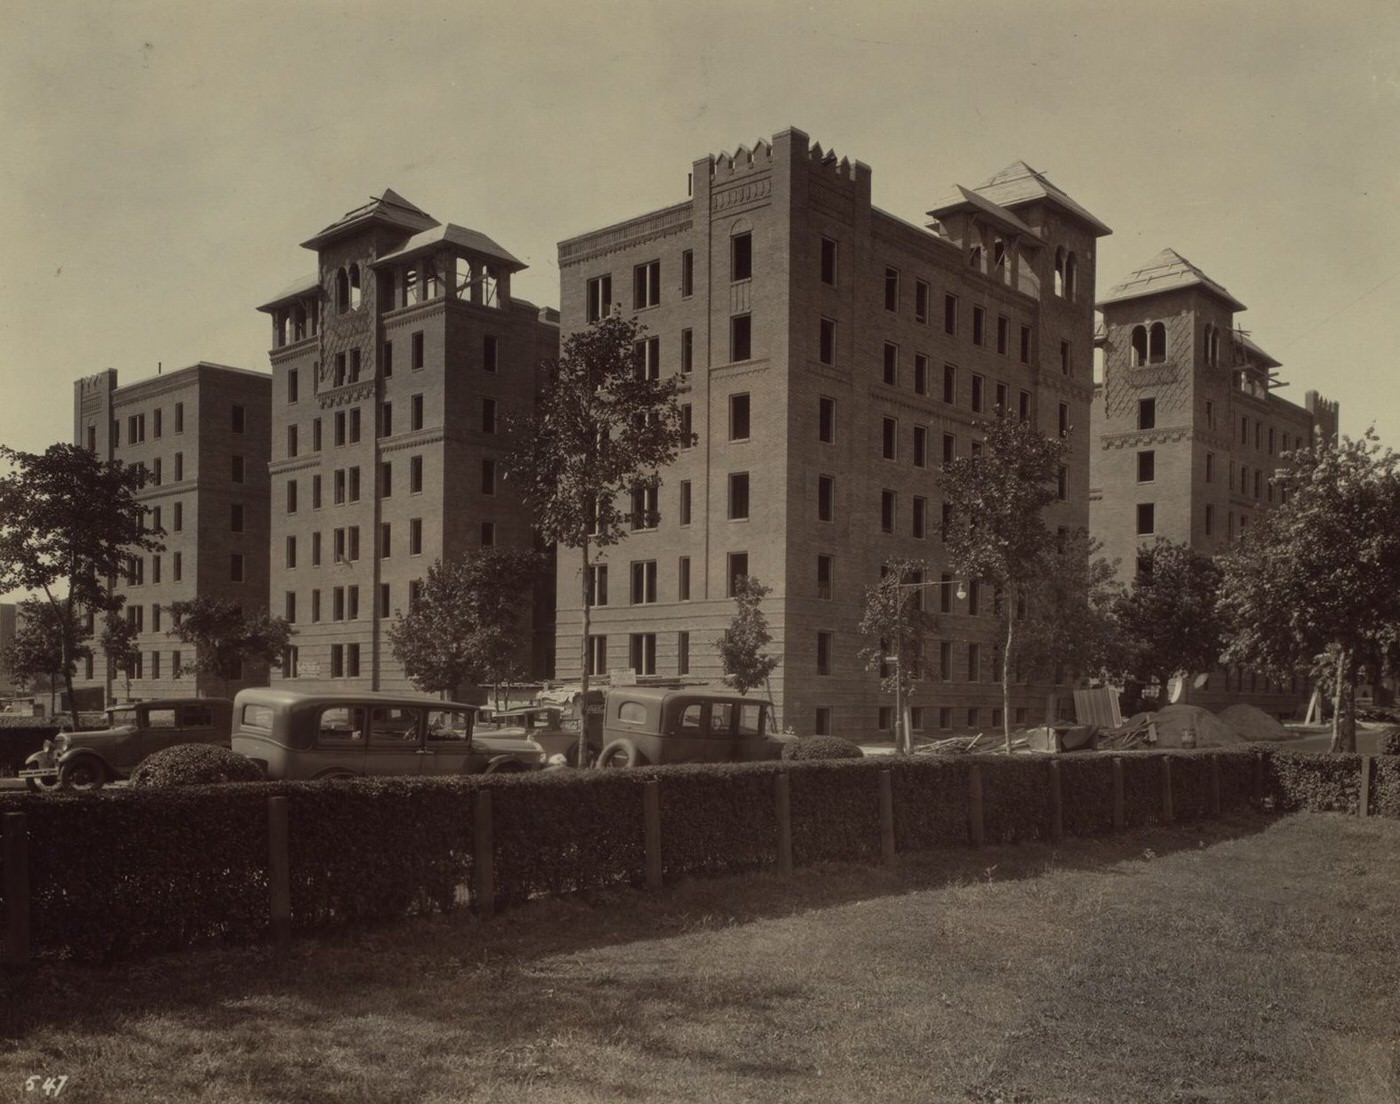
(73, 754)
(505, 764)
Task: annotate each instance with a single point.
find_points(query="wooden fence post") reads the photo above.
(17, 889)
(1258, 780)
(1215, 785)
(483, 872)
(887, 817)
(1168, 812)
(782, 796)
(279, 873)
(1057, 809)
(1120, 812)
(975, 827)
(1364, 809)
(651, 817)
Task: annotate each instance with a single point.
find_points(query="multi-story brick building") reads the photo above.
(392, 366)
(833, 355)
(202, 433)
(1188, 430)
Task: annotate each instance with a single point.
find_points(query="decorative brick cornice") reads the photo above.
(614, 239)
(293, 464)
(414, 439)
(751, 192)
(346, 394)
(1138, 437)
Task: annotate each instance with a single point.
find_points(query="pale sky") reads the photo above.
(164, 160)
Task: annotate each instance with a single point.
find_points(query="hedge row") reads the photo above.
(128, 869)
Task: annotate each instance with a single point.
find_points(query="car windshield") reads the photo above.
(121, 717)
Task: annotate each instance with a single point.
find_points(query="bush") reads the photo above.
(1317, 782)
(1390, 741)
(822, 747)
(194, 765)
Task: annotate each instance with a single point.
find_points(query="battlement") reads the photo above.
(1326, 415)
(796, 145)
(743, 160)
(105, 380)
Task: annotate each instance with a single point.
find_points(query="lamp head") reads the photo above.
(962, 591)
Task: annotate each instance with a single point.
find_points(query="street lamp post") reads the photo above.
(903, 737)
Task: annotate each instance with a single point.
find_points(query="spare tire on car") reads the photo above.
(619, 753)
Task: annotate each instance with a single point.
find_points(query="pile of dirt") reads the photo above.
(1253, 724)
(1175, 721)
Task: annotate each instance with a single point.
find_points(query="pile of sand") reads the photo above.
(1175, 721)
(1253, 724)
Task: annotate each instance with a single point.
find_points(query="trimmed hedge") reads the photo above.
(932, 802)
(1385, 787)
(194, 765)
(835, 811)
(1015, 798)
(1313, 781)
(1086, 794)
(1389, 740)
(822, 747)
(718, 820)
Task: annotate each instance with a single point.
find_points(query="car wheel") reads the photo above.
(571, 756)
(82, 775)
(507, 767)
(41, 785)
(619, 753)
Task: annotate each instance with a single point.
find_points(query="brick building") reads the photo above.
(202, 433)
(1187, 430)
(833, 355)
(392, 365)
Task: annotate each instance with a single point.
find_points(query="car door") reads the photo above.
(159, 729)
(749, 741)
(340, 745)
(448, 746)
(719, 742)
(195, 722)
(395, 741)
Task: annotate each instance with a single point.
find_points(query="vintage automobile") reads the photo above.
(659, 725)
(291, 734)
(549, 726)
(88, 760)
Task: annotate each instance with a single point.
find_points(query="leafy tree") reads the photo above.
(995, 531)
(67, 519)
(1315, 581)
(600, 434)
(35, 656)
(741, 645)
(1069, 632)
(467, 623)
(896, 620)
(225, 638)
(1169, 618)
(118, 641)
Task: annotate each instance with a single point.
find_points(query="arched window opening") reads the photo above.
(410, 286)
(355, 287)
(1205, 344)
(463, 281)
(974, 258)
(1060, 273)
(1139, 351)
(488, 286)
(432, 280)
(1214, 346)
(342, 291)
(1071, 276)
(298, 323)
(1157, 343)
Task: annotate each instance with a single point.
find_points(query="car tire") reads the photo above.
(40, 786)
(619, 753)
(571, 756)
(85, 774)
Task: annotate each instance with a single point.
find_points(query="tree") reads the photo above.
(1315, 581)
(1169, 618)
(67, 520)
(467, 623)
(995, 530)
(741, 645)
(898, 625)
(35, 656)
(1069, 632)
(225, 638)
(602, 430)
(118, 641)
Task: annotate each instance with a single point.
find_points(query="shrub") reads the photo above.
(932, 802)
(1313, 781)
(194, 765)
(822, 747)
(1390, 741)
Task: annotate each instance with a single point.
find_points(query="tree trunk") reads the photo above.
(68, 642)
(1006, 674)
(772, 705)
(583, 663)
(1343, 705)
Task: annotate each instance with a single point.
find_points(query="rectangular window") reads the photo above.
(338, 375)
(179, 418)
(1210, 467)
(337, 661)
(236, 468)
(740, 257)
(821, 720)
(974, 662)
(826, 351)
(339, 428)
(643, 582)
(920, 446)
(1064, 358)
(1210, 519)
(353, 533)
(642, 650)
(740, 337)
(920, 374)
(826, 569)
(291, 496)
(355, 426)
(921, 294)
(979, 325)
(687, 273)
(315, 492)
(1146, 519)
(645, 512)
(682, 653)
(739, 417)
(386, 419)
(291, 441)
(488, 476)
(738, 563)
(826, 493)
(1146, 466)
(315, 606)
(598, 585)
(177, 568)
(950, 383)
(977, 397)
(687, 351)
(1023, 405)
(1062, 484)
(687, 425)
(488, 415)
(415, 536)
(824, 653)
(338, 482)
(386, 535)
(238, 419)
(683, 579)
(415, 412)
(1003, 334)
(415, 475)
(235, 517)
(316, 435)
(316, 548)
(289, 605)
(1025, 344)
(489, 353)
(891, 375)
(826, 420)
(889, 439)
(647, 356)
(599, 297)
(738, 496)
(352, 661)
(684, 509)
(355, 365)
(416, 350)
(385, 608)
(156, 426)
(950, 448)
(828, 262)
(354, 484)
(646, 285)
(887, 511)
(1062, 423)
(1147, 414)
(891, 289)
(950, 314)
(388, 359)
(919, 528)
(235, 567)
(597, 654)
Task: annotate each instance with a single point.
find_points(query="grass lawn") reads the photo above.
(1245, 960)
